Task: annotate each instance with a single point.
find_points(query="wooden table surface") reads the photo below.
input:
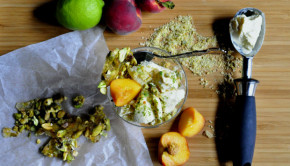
(24, 22)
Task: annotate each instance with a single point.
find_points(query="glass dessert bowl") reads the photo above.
(163, 93)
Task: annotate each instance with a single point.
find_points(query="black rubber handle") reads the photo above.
(245, 130)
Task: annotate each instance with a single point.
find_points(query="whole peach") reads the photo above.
(122, 16)
(154, 6)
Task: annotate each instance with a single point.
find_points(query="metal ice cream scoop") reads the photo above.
(245, 108)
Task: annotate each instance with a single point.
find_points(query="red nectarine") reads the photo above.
(122, 16)
(154, 6)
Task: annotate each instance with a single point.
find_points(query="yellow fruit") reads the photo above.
(191, 122)
(124, 90)
(173, 149)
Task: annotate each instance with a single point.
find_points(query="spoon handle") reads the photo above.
(196, 53)
(246, 130)
(245, 121)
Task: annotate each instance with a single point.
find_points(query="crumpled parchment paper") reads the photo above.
(70, 64)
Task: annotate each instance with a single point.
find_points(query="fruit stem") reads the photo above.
(167, 4)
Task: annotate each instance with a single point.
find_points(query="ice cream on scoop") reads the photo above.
(245, 31)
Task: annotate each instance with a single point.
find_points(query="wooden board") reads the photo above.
(20, 26)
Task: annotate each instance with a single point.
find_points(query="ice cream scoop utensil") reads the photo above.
(245, 108)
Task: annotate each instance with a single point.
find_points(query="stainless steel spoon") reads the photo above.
(145, 53)
(245, 108)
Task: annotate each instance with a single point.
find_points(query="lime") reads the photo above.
(79, 14)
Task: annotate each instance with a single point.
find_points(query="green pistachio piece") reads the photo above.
(77, 134)
(57, 108)
(47, 126)
(103, 91)
(38, 105)
(61, 114)
(97, 130)
(59, 99)
(74, 143)
(32, 128)
(64, 157)
(35, 121)
(38, 141)
(6, 132)
(108, 124)
(23, 120)
(75, 153)
(21, 128)
(63, 148)
(87, 133)
(78, 101)
(41, 120)
(61, 133)
(47, 116)
(15, 128)
(69, 157)
(102, 84)
(123, 53)
(30, 113)
(17, 116)
(48, 101)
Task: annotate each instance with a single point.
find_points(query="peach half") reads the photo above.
(173, 149)
(124, 90)
(191, 122)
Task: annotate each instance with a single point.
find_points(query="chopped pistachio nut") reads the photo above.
(6, 132)
(47, 126)
(103, 91)
(168, 117)
(35, 121)
(208, 134)
(61, 114)
(78, 101)
(45, 116)
(123, 53)
(59, 99)
(116, 66)
(75, 153)
(61, 133)
(17, 116)
(15, 128)
(102, 84)
(97, 130)
(77, 134)
(48, 101)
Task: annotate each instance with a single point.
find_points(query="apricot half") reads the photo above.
(191, 122)
(124, 90)
(173, 149)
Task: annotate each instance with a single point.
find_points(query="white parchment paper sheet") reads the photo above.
(70, 64)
